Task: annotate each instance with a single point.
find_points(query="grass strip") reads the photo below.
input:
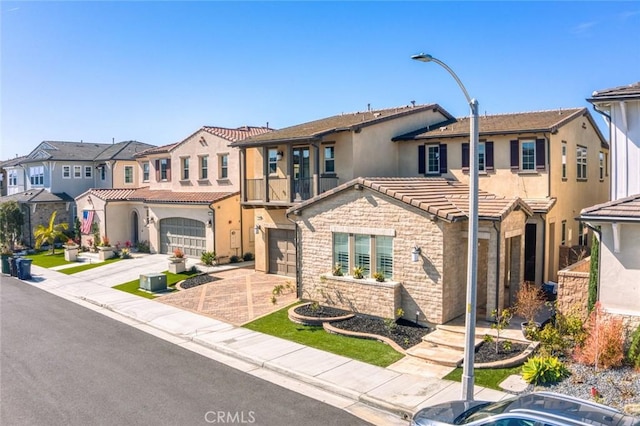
(133, 286)
(486, 377)
(45, 259)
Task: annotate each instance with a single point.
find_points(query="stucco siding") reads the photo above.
(619, 272)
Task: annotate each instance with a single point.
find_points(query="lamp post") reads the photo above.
(472, 248)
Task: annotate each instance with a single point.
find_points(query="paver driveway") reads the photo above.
(237, 297)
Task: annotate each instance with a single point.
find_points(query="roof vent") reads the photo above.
(377, 114)
(442, 129)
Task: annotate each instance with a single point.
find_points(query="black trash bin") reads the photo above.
(13, 267)
(24, 269)
(18, 266)
(5, 264)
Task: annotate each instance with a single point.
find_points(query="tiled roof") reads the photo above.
(624, 209)
(125, 150)
(631, 91)
(158, 149)
(37, 196)
(158, 196)
(538, 121)
(346, 121)
(540, 205)
(234, 135)
(440, 197)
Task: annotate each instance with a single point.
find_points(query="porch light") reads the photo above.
(256, 229)
(415, 254)
(279, 155)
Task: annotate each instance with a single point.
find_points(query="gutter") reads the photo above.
(295, 241)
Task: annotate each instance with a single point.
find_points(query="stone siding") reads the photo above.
(573, 287)
(41, 216)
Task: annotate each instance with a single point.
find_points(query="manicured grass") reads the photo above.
(45, 259)
(369, 351)
(134, 285)
(486, 377)
(86, 266)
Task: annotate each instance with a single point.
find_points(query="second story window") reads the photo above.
(601, 160)
(163, 169)
(329, 159)
(564, 160)
(13, 178)
(128, 174)
(66, 172)
(223, 161)
(433, 158)
(581, 156)
(103, 172)
(185, 168)
(273, 161)
(563, 233)
(485, 156)
(36, 175)
(145, 171)
(204, 167)
(88, 172)
(77, 172)
(528, 155)
(583, 233)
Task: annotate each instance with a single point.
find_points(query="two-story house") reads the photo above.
(12, 176)
(617, 222)
(183, 196)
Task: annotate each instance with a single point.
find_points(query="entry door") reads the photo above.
(282, 252)
(530, 252)
(301, 174)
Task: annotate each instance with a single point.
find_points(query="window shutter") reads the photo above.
(465, 156)
(157, 170)
(422, 166)
(488, 155)
(540, 154)
(515, 155)
(443, 158)
(169, 169)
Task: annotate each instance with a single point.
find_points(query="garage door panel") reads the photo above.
(186, 234)
(282, 252)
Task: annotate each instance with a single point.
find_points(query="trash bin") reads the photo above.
(24, 268)
(5, 264)
(13, 270)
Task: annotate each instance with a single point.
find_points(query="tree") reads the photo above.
(50, 233)
(11, 222)
(593, 272)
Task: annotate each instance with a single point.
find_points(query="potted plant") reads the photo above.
(529, 302)
(358, 272)
(105, 251)
(177, 262)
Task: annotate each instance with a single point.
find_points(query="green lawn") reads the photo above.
(86, 266)
(134, 285)
(487, 377)
(369, 351)
(45, 259)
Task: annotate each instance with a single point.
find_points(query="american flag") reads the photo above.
(87, 220)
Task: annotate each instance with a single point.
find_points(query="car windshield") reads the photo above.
(483, 411)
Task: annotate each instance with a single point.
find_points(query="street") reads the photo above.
(62, 364)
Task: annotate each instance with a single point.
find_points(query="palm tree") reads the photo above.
(50, 233)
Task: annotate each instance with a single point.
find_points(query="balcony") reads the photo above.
(280, 192)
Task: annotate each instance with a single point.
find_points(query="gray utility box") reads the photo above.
(153, 282)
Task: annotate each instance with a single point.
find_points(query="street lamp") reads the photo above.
(472, 248)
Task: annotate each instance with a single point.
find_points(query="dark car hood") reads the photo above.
(446, 412)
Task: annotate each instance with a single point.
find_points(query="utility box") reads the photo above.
(153, 282)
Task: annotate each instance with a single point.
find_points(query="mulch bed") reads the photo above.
(405, 333)
(197, 280)
(486, 352)
(320, 312)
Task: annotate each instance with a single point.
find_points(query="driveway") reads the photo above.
(237, 296)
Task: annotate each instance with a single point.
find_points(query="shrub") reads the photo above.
(529, 301)
(234, 259)
(379, 276)
(337, 270)
(543, 370)
(208, 257)
(358, 272)
(552, 343)
(177, 253)
(247, 256)
(633, 354)
(605, 342)
(143, 246)
(125, 253)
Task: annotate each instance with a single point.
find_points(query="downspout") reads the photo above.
(295, 241)
(497, 229)
(213, 227)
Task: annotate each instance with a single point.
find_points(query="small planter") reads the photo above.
(71, 253)
(177, 265)
(529, 326)
(105, 252)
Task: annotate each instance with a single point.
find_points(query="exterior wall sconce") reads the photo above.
(279, 155)
(256, 229)
(150, 220)
(210, 221)
(415, 254)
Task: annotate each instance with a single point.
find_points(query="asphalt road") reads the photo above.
(62, 364)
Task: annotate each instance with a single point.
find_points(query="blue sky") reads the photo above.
(158, 71)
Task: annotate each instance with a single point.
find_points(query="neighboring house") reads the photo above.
(376, 224)
(186, 196)
(12, 177)
(288, 166)
(556, 161)
(117, 166)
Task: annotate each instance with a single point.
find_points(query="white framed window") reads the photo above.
(528, 155)
(145, 171)
(128, 174)
(384, 255)
(66, 172)
(36, 175)
(330, 159)
(273, 160)
(13, 178)
(601, 162)
(77, 172)
(372, 253)
(88, 172)
(204, 166)
(563, 233)
(223, 166)
(341, 250)
(164, 167)
(433, 159)
(184, 166)
(564, 160)
(581, 156)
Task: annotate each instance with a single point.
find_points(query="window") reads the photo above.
(185, 168)
(163, 169)
(564, 160)
(433, 158)
(36, 175)
(204, 167)
(13, 178)
(128, 174)
(485, 156)
(145, 171)
(357, 250)
(88, 172)
(77, 172)
(601, 161)
(481, 157)
(362, 254)
(223, 161)
(273, 161)
(103, 172)
(563, 233)
(66, 172)
(581, 156)
(329, 159)
(583, 232)
(528, 155)
(384, 255)
(341, 250)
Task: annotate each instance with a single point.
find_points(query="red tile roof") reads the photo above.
(234, 135)
(540, 205)
(159, 196)
(624, 209)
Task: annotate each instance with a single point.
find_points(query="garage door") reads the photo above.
(282, 252)
(186, 234)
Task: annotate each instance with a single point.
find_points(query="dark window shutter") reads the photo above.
(168, 168)
(515, 155)
(540, 154)
(422, 166)
(157, 170)
(488, 155)
(443, 158)
(465, 156)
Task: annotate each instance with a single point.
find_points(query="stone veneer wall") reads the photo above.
(573, 287)
(363, 295)
(41, 216)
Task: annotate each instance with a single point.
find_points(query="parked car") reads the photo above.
(533, 409)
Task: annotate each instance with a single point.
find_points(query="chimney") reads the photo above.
(413, 104)
(368, 107)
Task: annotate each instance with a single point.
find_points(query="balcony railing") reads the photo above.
(279, 192)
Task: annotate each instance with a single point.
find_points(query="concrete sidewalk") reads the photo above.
(345, 379)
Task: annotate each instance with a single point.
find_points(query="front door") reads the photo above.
(530, 252)
(301, 174)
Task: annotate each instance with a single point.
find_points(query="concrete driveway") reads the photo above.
(237, 296)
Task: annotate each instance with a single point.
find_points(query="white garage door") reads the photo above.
(186, 234)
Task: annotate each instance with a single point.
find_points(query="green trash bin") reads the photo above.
(6, 268)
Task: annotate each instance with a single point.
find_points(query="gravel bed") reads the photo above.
(197, 280)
